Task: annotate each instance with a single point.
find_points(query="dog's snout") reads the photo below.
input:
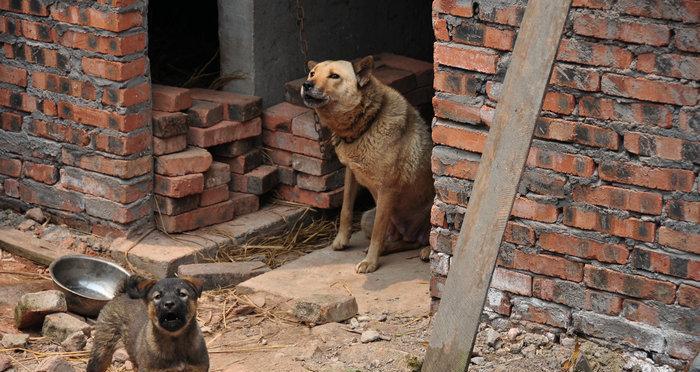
(308, 84)
(168, 305)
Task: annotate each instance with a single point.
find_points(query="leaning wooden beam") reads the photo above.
(456, 323)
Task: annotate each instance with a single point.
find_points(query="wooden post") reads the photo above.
(457, 320)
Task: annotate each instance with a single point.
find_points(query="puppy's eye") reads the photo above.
(183, 294)
(157, 296)
(334, 76)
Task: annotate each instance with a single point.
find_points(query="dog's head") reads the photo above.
(171, 302)
(336, 83)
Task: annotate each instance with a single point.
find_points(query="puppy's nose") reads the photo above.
(168, 305)
(308, 84)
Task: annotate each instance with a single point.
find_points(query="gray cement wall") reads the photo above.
(260, 38)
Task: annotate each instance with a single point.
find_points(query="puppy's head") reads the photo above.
(336, 82)
(172, 302)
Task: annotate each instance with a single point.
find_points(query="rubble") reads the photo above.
(36, 214)
(325, 308)
(76, 341)
(54, 364)
(14, 340)
(61, 325)
(33, 307)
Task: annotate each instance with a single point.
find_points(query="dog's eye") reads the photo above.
(311, 74)
(334, 76)
(156, 296)
(183, 294)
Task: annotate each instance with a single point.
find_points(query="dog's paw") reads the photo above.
(340, 243)
(425, 253)
(366, 266)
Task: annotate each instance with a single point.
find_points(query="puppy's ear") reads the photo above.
(363, 70)
(138, 286)
(311, 64)
(197, 284)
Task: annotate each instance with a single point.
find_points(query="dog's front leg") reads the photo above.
(345, 229)
(386, 201)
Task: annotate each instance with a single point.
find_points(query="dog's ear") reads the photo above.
(311, 64)
(197, 284)
(363, 70)
(138, 286)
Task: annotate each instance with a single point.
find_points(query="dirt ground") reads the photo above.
(255, 333)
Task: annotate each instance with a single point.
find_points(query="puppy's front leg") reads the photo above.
(345, 229)
(385, 207)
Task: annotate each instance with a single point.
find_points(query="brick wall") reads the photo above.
(604, 236)
(75, 133)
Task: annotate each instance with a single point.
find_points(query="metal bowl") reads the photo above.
(88, 282)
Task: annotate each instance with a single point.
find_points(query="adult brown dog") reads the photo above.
(385, 146)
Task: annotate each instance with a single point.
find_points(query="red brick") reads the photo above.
(422, 70)
(223, 132)
(13, 75)
(258, 181)
(34, 54)
(279, 117)
(200, 217)
(689, 120)
(578, 165)
(33, 7)
(314, 166)
(38, 31)
(205, 114)
(583, 247)
(532, 210)
(11, 187)
(169, 124)
(683, 10)
(104, 186)
(440, 29)
(180, 186)
(218, 174)
(170, 99)
(649, 90)
(511, 281)
(592, 4)
(44, 173)
(686, 241)
(192, 160)
(11, 122)
(173, 206)
(279, 157)
(561, 103)
(573, 131)
(596, 54)
(655, 178)
(244, 203)
(683, 210)
(100, 118)
(630, 227)
(454, 7)
(298, 145)
(129, 144)
(575, 77)
(117, 46)
(121, 168)
(520, 234)
(623, 30)
(546, 265)
(11, 167)
(576, 296)
(458, 136)
(454, 163)
(106, 20)
(116, 212)
(59, 132)
(323, 200)
(510, 15)
(17, 100)
(236, 148)
(327, 182)
(117, 71)
(127, 96)
(455, 82)
(497, 301)
(287, 175)
(63, 85)
(638, 113)
(673, 65)
(438, 217)
(306, 126)
(620, 198)
(164, 146)
(687, 39)
(468, 58)
(630, 285)
(214, 195)
(461, 112)
(244, 163)
(51, 196)
(689, 296)
(237, 107)
(666, 263)
(478, 34)
(117, 3)
(544, 182)
(663, 147)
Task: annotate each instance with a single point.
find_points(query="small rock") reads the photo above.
(54, 364)
(535, 339)
(76, 341)
(528, 350)
(14, 340)
(325, 308)
(550, 336)
(206, 329)
(385, 337)
(567, 341)
(500, 324)
(381, 318)
(26, 225)
(89, 343)
(120, 356)
(67, 243)
(33, 307)
(478, 360)
(5, 362)
(370, 335)
(36, 214)
(363, 318)
(307, 352)
(354, 323)
(581, 364)
(513, 333)
(61, 325)
(128, 365)
(491, 336)
(516, 347)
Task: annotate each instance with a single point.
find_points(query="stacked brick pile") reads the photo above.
(309, 171)
(192, 190)
(604, 238)
(74, 132)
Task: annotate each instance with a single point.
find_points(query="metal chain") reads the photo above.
(303, 42)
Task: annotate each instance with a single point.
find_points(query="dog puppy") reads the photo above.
(156, 321)
(385, 146)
